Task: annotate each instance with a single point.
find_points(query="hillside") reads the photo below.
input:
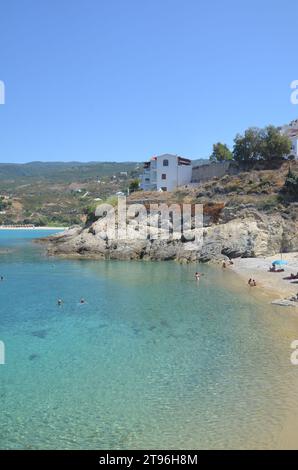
(251, 214)
(260, 189)
(62, 171)
(58, 193)
(63, 193)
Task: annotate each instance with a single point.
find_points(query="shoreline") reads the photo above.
(32, 228)
(271, 284)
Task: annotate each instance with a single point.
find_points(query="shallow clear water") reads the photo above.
(152, 360)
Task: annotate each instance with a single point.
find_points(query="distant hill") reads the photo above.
(200, 161)
(71, 171)
(64, 171)
(60, 193)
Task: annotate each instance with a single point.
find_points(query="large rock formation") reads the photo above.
(246, 233)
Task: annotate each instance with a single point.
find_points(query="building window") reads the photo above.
(163, 176)
(165, 162)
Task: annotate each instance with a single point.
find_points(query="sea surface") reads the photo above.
(153, 359)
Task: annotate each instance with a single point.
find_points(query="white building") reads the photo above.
(166, 172)
(291, 130)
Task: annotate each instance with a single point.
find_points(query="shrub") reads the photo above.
(290, 188)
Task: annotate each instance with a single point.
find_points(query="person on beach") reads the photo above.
(224, 264)
(249, 281)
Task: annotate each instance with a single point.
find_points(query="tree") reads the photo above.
(134, 185)
(274, 145)
(266, 144)
(247, 147)
(221, 153)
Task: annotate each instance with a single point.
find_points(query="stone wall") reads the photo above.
(206, 172)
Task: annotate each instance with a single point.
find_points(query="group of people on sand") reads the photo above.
(294, 276)
(274, 269)
(252, 283)
(60, 302)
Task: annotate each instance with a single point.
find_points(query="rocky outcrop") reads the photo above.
(248, 234)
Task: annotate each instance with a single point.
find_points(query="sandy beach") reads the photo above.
(274, 284)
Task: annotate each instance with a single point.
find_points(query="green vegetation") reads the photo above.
(134, 185)
(267, 145)
(261, 144)
(290, 188)
(246, 147)
(4, 203)
(58, 193)
(221, 153)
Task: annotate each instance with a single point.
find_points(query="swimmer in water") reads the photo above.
(59, 302)
(82, 301)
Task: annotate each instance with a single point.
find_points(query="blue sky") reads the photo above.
(119, 80)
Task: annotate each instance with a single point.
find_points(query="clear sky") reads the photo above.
(127, 79)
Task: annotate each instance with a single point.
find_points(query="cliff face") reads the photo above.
(249, 234)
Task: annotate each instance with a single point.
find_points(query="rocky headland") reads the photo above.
(248, 215)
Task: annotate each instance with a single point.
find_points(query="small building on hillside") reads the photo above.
(166, 172)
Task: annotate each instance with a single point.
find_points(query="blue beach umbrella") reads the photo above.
(279, 262)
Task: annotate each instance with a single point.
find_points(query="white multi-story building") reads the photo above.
(166, 172)
(291, 130)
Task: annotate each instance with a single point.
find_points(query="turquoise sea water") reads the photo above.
(152, 360)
